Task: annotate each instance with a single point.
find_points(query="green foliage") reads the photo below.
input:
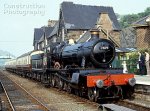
(133, 61)
(134, 55)
(127, 20)
(145, 13)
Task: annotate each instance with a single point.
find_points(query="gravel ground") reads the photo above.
(141, 99)
(53, 98)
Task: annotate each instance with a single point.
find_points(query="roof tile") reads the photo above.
(78, 16)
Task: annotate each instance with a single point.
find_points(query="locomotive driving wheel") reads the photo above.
(43, 77)
(61, 84)
(53, 82)
(92, 94)
(128, 92)
(116, 91)
(69, 89)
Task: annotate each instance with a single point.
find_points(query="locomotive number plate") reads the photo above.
(103, 48)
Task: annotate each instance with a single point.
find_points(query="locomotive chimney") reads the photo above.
(94, 33)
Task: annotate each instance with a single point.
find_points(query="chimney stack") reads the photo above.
(94, 33)
(51, 23)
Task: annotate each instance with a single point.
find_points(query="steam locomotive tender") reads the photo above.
(83, 69)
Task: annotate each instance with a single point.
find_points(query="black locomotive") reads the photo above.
(82, 68)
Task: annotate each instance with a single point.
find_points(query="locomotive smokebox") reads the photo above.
(94, 33)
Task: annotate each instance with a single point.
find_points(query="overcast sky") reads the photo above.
(18, 18)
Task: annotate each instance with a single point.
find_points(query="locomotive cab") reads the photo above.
(47, 57)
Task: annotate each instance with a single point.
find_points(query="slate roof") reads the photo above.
(55, 29)
(77, 16)
(141, 22)
(128, 37)
(38, 32)
(47, 30)
(41, 39)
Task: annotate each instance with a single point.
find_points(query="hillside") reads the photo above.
(127, 20)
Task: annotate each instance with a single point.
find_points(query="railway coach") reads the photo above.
(23, 64)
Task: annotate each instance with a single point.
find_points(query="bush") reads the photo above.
(134, 55)
(133, 61)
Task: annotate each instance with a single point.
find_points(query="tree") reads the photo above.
(127, 20)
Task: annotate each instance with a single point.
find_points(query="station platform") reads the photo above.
(142, 80)
(142, 84)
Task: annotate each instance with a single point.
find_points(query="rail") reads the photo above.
(44, 107)
(12, 89)
(138, 107)
(10, 102)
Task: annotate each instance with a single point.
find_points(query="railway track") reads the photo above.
(5, 98)
(132, 105)
(123, 105)
(51, 96)
(126, 103)
(18, 98)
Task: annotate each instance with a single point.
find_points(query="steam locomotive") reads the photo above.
(81, 68)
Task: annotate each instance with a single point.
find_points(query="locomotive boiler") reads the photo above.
(97, 52)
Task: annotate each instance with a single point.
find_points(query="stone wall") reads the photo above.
(143, 37)
(128, 37)
(74, 34)
(102, 35)
(51, 23)
(106, 24)
(115, 36)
